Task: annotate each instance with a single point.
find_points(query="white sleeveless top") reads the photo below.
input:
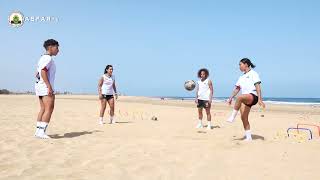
(107, 86)
(204, 90)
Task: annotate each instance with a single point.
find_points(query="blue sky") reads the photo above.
(156, 45)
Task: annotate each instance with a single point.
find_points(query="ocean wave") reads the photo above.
(280, 101)
(293, 103)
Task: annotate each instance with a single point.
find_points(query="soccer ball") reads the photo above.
(189, 85)
(154, 118)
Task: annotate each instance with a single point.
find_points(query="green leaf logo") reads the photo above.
(16, 19)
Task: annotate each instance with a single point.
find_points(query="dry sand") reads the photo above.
(140, 148)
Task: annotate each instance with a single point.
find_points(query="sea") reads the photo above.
(268, 100)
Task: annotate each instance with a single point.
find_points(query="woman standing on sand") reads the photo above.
(204, 94)
(107, 90)
(249, 84)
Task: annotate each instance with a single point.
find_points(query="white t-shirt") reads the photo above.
(47, 62)
(203, 90)
(107, 86)
(247, 82)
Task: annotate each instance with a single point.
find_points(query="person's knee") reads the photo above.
(49, 108)
(42, 109)
(111, 104)
(49, 104)
(240, 98)
(103, 106)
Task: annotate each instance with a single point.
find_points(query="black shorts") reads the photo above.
(40, 97)
(203, 104)
(107, 97)
(254, 102)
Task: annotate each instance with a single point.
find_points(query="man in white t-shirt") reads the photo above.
(44, 86)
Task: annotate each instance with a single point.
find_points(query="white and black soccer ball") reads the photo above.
(190, 85)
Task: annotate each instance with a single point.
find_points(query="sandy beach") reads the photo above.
(140, 148)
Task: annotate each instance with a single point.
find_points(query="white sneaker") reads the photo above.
(199, 125)
(113, 121)
(101, 122)
(208, 127)
(42, 135)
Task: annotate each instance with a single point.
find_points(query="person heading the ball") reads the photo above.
(204, 95)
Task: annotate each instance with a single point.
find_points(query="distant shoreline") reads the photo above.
(276, 101)
(268, 100)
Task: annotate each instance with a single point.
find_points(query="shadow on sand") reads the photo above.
(73, 134)
(123, 122)
(213, 127)
(254, 137)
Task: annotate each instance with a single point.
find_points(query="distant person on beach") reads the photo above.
(204, 95)
(249, 84)
(44, 86)
(107, 90)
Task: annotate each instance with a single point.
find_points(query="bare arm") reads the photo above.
(115, 89)
(234, 93)
(258, 88)
(100, 86)
(44, 75)
(197, 90)
(211, 91)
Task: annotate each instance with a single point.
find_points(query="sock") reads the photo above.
(111, 119)
(234, 113)
(38, 124)
(101, 119)
(44, 126)
(248, 135)
(233, 116)
(199, 125)
(37, 128)
(209, 123)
